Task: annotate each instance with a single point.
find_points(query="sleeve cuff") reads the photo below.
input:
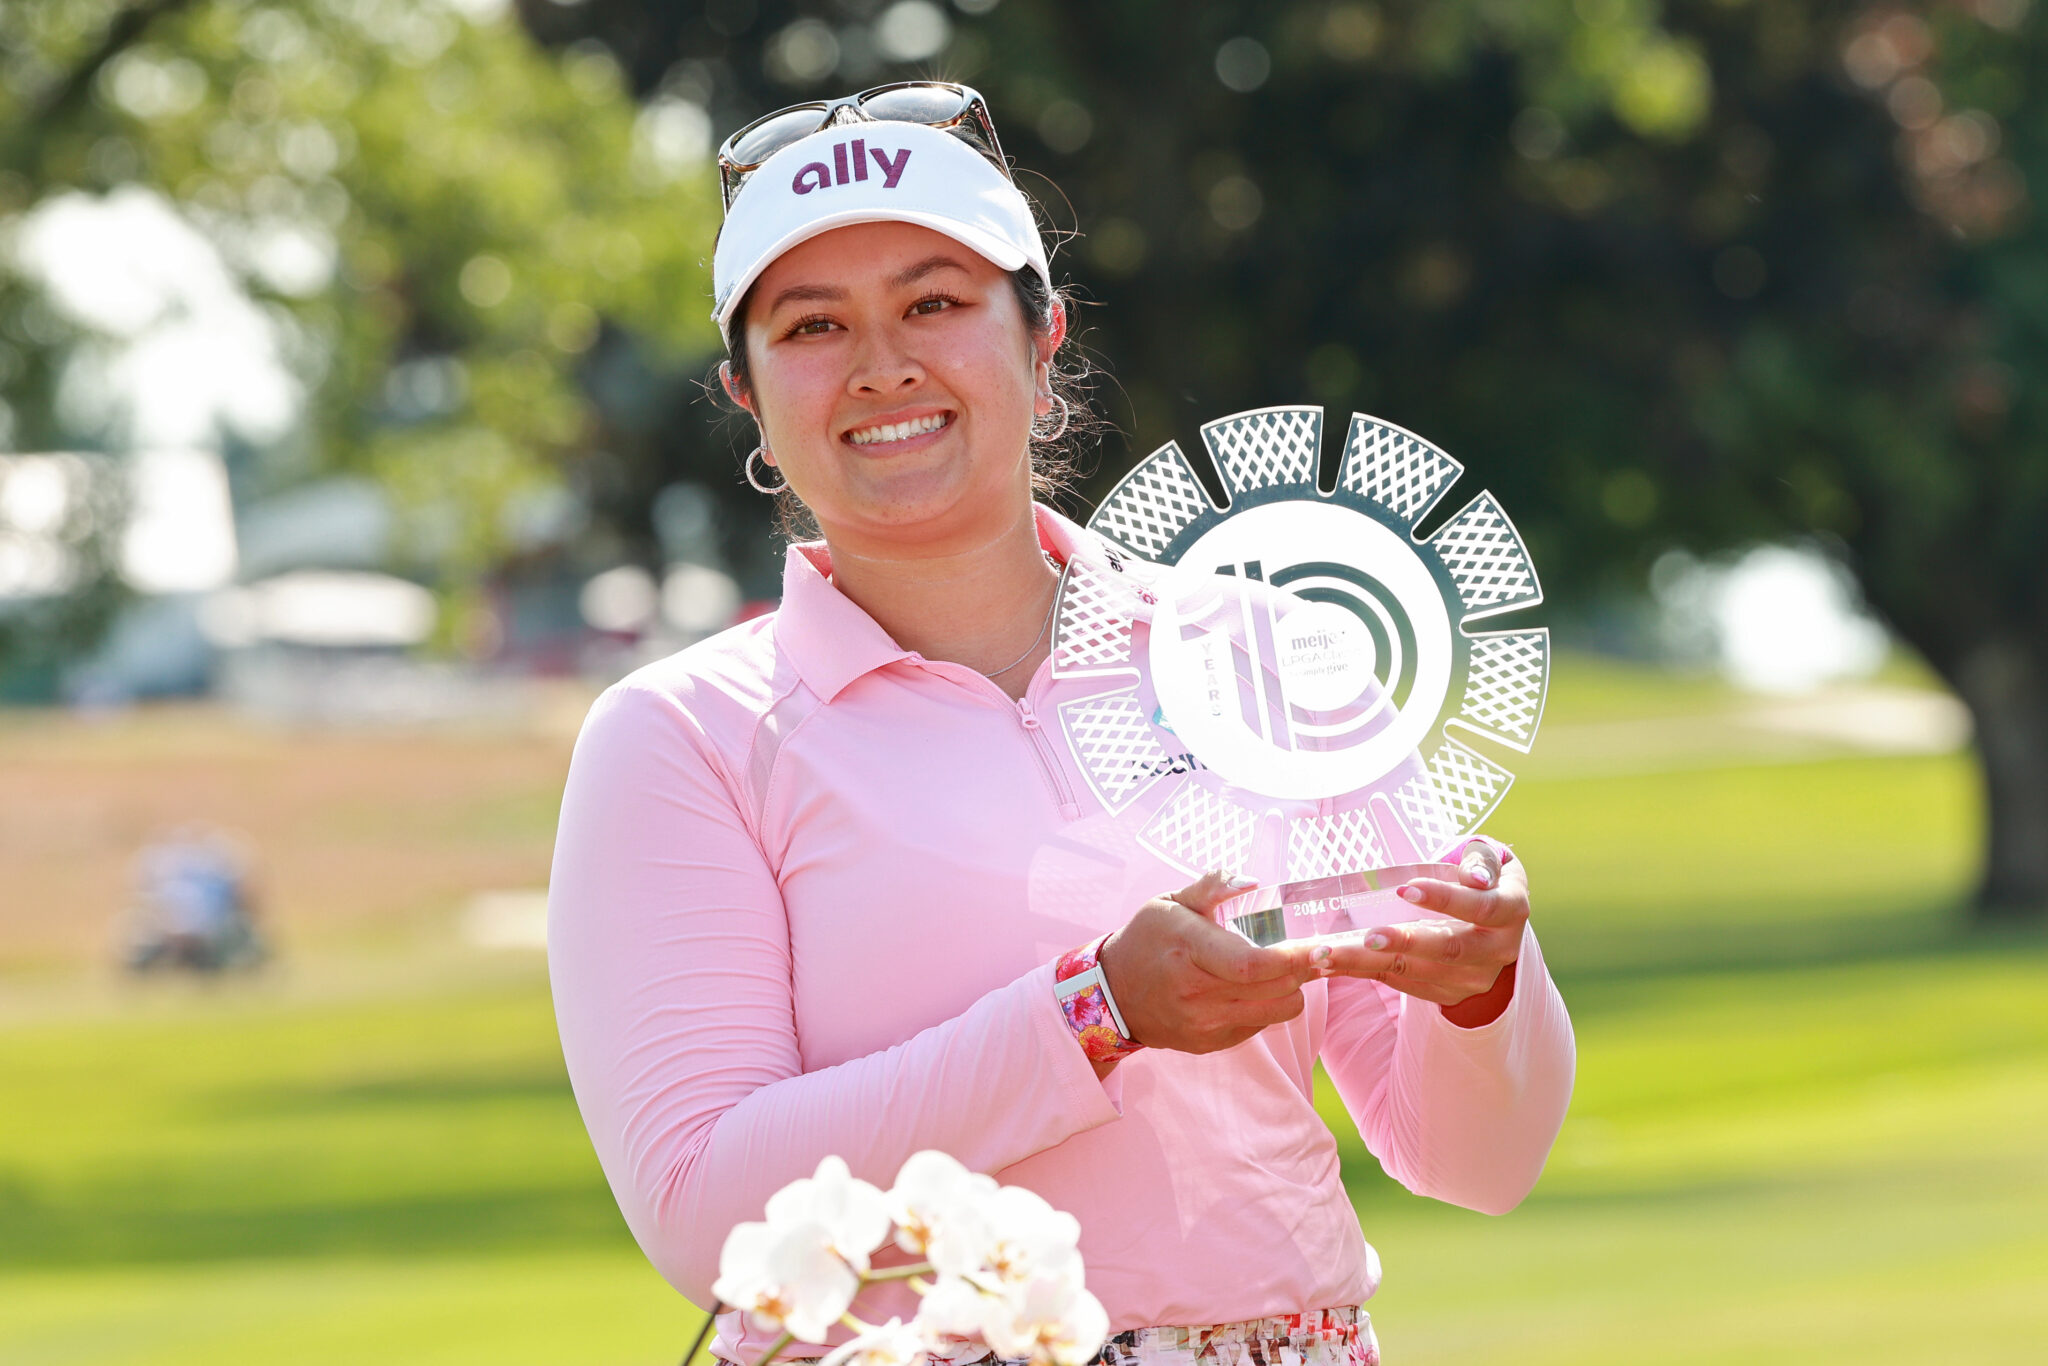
(1494, 1036)
(1087, 1098)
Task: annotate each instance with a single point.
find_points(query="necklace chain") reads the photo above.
(1043, 627)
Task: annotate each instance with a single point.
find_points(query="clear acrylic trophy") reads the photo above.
(1283, 681)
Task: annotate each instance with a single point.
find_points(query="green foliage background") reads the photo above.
(485, 199)
(1661, 272)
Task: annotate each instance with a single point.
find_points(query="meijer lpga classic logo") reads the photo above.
(818, 176)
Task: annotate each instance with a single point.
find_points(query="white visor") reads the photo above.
(871, 172)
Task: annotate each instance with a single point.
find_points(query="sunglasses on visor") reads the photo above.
(957, 109)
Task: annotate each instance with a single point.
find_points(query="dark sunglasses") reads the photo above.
(957, 109)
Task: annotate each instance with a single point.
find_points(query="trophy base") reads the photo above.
(1326, 907)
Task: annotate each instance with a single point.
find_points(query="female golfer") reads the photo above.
(814, 890)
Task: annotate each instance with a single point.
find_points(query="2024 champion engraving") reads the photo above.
(1283, 670)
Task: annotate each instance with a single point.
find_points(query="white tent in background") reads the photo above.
(321, 609)
(330, 646)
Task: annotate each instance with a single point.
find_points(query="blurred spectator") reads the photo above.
(193, 906)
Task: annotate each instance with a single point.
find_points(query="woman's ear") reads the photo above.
(734, 390)
(1055, 334)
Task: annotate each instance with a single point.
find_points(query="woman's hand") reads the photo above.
(1465, 965)
(1184, 982)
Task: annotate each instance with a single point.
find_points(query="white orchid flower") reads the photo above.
(941, 1212)
(1053, 1320)
(787, 1276)
(894, 1343)
(955, 1307)
(1031, 1238)
(854, 1214)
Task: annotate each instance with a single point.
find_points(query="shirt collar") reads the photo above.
(831, 641)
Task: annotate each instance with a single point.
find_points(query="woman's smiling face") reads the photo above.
(894, 376)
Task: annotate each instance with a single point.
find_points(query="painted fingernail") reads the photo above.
(1376, 940)
(1483, 876)
(1413, 894)
(1320, 957)
(1240, 882)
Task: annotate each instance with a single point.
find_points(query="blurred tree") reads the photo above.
(1688, 273)
(445, 234)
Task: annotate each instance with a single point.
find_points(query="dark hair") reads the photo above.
(1052, 462)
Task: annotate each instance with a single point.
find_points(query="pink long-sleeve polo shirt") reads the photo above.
(807, 892)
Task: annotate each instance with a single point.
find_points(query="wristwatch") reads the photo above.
(1082, 990)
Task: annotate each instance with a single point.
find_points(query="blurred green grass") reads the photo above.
(1808, 1127)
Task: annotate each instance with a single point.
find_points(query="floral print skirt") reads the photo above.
(1321, 1337)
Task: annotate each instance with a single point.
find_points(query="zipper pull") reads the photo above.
(1069, 809)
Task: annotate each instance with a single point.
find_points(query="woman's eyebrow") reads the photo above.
(925, 267)
(807, 294)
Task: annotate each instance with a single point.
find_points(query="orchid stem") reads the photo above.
(704, 1332)
(776, 1350)
(899, 1273)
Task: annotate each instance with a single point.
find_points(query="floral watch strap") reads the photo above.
(1083, 993)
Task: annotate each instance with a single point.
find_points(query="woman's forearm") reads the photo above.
(1462, 1114)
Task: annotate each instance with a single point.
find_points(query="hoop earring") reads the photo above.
(1059, 429)
(760, 453)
